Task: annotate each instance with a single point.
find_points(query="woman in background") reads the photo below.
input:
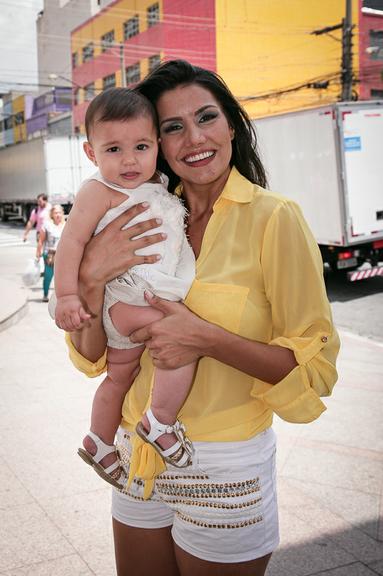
(49, 237)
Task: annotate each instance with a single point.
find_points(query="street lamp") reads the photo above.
(54, 76)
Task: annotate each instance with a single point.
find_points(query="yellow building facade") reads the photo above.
(266, 48)
(19, 123)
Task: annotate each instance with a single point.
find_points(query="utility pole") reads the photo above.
(347, 73)
(347, 27)
(122, 65)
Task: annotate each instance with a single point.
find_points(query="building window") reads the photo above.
(154, 62)
(153, 14)
(109, 81)
(89, 92)
(88, 52)
(133, 73)
(372, 6)
(131, 27)
(74, 60)
(376, 45)
(376, 94)
(107, 41)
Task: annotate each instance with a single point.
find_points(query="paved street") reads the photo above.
(54, 512)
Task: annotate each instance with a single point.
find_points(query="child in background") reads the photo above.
(122, 134)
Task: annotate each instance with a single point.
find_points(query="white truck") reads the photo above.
(53, 165)
(330, 161)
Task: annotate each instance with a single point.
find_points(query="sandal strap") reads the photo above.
(113, 467)
(157, 429)
(102, 449)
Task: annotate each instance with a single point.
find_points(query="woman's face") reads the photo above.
(57, 215)
(195, 135)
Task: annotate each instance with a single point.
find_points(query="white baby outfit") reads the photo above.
(171, 276)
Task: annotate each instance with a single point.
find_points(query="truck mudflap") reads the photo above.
(364, 274)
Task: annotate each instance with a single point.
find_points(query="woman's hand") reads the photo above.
(177, 339)
(112, 251)
(107, 255)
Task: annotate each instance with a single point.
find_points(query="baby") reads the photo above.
(122, 141)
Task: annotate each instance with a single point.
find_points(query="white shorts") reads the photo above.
(223, 508)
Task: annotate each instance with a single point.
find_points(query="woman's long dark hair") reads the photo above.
(181, 73)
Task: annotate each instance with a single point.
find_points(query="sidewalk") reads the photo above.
(54, 512)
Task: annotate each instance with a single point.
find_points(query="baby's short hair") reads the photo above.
(118, 104)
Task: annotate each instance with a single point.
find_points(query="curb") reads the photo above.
(13, 304)
(14, 317)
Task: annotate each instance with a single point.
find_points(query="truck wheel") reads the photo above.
(25, 214)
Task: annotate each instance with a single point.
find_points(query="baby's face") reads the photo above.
(125, 151)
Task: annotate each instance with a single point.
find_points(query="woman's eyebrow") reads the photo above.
(179, 118)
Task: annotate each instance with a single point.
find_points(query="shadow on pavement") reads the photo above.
(339, 289)
(353, 552)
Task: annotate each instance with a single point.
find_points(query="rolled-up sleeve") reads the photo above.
(301, 316)
(91, 369)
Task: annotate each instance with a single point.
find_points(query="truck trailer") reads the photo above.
(54, 166)
(329, 160)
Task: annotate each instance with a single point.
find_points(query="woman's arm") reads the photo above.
(106, 256)
(182, 337)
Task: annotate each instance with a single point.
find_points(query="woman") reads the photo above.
(49, 236)
(256, 318)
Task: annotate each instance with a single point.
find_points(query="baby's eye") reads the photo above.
(142, 146)
(113, 149)
(208, 116)
(175, 127)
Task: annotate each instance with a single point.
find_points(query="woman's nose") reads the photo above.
(195, 136)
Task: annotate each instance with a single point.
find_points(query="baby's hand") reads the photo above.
(70, 314)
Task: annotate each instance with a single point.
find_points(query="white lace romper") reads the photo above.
(171, 276)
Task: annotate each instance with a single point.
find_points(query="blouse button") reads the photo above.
(324, 338)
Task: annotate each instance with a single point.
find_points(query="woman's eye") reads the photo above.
(142, 147)
(208, 116)
(113, 149)
(172, 128)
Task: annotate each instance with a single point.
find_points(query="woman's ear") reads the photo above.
(90, 152)
(232, 133)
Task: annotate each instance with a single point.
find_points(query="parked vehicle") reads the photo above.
(54, 166)
(329, 159)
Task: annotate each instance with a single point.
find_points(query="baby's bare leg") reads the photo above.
(123, 366)
(170, 390)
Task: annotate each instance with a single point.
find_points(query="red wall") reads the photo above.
(370, 71)
(189, 32)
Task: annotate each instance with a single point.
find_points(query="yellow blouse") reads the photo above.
(259, 275)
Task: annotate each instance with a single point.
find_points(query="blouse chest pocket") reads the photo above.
(221, 304)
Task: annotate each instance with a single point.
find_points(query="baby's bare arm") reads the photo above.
(91, 203)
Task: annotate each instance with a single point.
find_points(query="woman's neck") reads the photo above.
(200, 198)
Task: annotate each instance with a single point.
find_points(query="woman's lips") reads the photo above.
(200, 158)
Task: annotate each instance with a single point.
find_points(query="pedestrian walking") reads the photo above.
(49, 236)
(256, 319)
(38, 216)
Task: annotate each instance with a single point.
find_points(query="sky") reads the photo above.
(18, 61)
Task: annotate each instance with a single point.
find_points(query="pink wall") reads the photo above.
(370, 70)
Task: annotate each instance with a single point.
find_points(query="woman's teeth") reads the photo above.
(198, 157)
